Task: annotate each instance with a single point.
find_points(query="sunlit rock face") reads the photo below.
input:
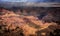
(17, 24)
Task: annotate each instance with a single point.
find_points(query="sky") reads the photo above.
(29, 0)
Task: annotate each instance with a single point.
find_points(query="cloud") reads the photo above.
(30, 0)
(13, 0)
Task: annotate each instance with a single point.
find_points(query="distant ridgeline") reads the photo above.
(18, 3)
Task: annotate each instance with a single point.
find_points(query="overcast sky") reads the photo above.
(30, 0)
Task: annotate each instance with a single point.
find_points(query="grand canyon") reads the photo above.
(35, 21)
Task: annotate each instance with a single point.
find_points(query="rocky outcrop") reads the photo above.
(16, 24)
